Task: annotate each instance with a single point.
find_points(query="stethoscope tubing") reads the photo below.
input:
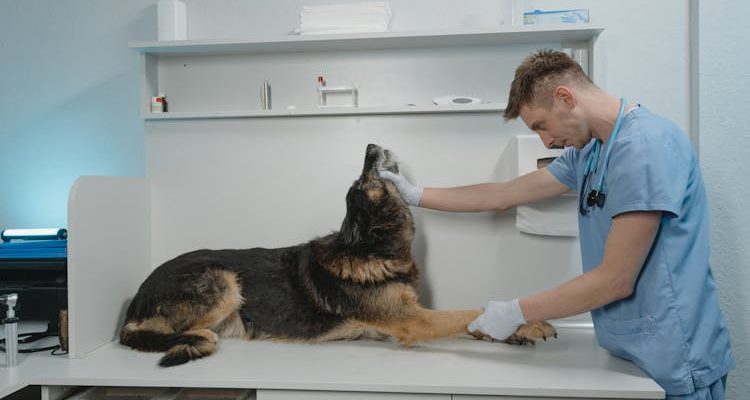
(597, 196)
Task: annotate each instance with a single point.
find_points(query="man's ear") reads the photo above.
(565, 95)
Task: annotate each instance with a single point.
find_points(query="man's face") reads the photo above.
(558, 126)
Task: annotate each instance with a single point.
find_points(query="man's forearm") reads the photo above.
(481, 197)
(581, 294)
(628, 244)
(528, 188)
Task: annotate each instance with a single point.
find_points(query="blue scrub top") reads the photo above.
(671, 326)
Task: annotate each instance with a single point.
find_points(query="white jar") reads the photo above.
(157, 104)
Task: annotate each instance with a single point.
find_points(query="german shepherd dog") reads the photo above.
(358, 282)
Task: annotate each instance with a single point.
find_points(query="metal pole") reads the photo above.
(11, 342)
(11, 330)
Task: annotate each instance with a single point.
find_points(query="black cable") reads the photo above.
(29, 337)
(55, 347)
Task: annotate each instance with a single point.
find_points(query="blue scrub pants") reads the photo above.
(714, 392)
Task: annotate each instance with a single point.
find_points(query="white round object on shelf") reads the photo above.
(456, 100)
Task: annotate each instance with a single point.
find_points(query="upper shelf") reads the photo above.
(369, 41)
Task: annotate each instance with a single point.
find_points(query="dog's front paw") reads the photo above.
(406, 340)
(479, 335)
(530, 332)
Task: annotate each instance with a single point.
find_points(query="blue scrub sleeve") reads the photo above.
(563, 168)
(648, 172)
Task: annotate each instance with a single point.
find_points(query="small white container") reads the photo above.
(158, 104)
(172, 20)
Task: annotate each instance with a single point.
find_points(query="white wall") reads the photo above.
(468, 258)
(642, 54)
(724, 51)
(68, 101)
(279, 182)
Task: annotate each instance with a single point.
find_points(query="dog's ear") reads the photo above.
(350, 231)
(356, 221)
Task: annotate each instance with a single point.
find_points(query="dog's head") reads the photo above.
(376, 215)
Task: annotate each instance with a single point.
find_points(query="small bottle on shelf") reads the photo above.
(321, 93)
(159, 103)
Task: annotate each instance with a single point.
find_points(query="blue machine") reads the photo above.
(37, 271)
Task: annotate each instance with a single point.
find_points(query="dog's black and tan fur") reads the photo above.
(358, 282)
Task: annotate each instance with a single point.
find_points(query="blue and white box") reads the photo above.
(540, 17)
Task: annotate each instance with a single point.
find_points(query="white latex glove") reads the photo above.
(410, 193)
(499, 320)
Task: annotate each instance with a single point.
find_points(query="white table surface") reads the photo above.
(573, 365)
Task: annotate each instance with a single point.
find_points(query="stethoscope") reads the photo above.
(596, 196)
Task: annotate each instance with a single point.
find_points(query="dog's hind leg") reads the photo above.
(200, 339)
(185, 324)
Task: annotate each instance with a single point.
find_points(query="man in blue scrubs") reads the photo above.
(643, 227)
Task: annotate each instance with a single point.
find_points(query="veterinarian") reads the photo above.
(643, 228)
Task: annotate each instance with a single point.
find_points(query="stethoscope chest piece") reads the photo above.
(596, 198)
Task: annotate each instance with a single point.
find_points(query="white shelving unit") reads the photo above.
(166, 58)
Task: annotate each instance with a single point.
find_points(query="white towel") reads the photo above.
(344, 18)
(365, 6)
(555, 217)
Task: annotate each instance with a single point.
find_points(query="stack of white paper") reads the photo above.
(344, 18)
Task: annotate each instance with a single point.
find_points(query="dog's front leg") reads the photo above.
(422, 324)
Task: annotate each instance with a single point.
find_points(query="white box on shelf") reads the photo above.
(172, 20)
(540, 17)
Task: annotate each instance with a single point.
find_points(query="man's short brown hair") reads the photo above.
(538, 76)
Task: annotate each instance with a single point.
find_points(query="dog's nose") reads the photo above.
(373, 159)
(372, 148)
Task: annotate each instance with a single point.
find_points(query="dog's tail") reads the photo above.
(189, 346)
(179, 347)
